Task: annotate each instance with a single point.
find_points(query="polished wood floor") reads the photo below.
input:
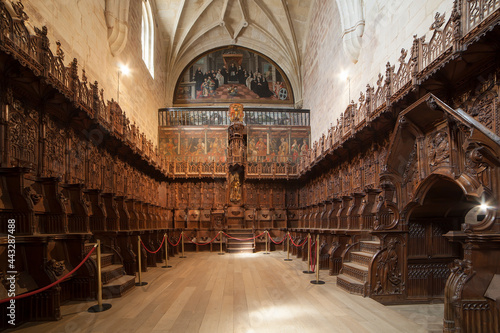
(240, 293)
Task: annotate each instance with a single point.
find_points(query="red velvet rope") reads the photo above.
(243, 239)
(191, 240)
(144, 246)
(300, 245)
(174, 244)
(277, 243)
(52, 284)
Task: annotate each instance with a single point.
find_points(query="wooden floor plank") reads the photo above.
(237, 293)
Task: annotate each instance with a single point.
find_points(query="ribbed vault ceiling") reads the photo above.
(275, 28)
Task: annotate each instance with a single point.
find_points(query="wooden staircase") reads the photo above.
(354, 275)
(236, 246)
(114, 281)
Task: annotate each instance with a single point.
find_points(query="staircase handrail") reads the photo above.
(346, 255)
(116, 253)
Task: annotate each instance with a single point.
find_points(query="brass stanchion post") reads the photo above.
(288, 247)
(166, 251)
(317, 281)
(182, 245)
(308, 255)
(220, 242)
(139, 259)
(99, 307)
(267, 241)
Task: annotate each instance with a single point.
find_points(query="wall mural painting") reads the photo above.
(205, 145)
(233, 75)
(277, 145)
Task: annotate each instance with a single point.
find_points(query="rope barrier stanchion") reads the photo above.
(220, 242)
(99, 307)
(308, 255)
(182, 245)
(287, 247)
(267, 241)
(139, 259)
(317, 281)
(166, 251)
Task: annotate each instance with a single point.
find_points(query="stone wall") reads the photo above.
(389, 27)
(81, 28)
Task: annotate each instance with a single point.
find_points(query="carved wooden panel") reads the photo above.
(120, 177)
(250, 194)
(94, 168)
(291, 197)
(108, 173)
(195, 195)
(55, 150)
(388, 278)
(23, 136)
(207, 194)
(220, 194)
(264, 196)
(77, 159)
(278, 196)
(346, 180)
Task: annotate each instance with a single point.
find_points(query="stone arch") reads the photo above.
(246, 50)
(116, 15)
(353, 26)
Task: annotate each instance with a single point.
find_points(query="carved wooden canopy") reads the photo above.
(433, 141)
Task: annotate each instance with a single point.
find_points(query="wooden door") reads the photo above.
(429, 256)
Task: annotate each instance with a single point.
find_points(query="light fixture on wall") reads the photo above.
(122, 69)
(482, 210)
(344, 76)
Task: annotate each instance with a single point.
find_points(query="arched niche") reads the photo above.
(238, 74)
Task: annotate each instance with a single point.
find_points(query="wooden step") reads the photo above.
(356, 271)
(240, 244)
(118, 287)
(369, 246)
(112, 272)
(362, 258)
(240, 234)
(241, 250)
(350, 285)
(106, 259)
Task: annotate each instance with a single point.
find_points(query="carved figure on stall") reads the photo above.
(57, 267)
(235, 194)
(388, 274)
(439, 149)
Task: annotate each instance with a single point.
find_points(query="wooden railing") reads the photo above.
(468, 17)
(33, 51)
